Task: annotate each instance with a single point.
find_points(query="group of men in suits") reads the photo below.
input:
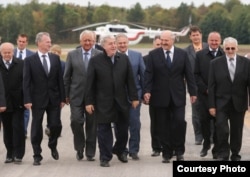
(222, 92)
(109, 87)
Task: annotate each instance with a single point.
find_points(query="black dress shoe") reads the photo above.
(8, 160)
(134, 156)
(89, 158)
(122, 157)
(104, 163)
(37, 161)
(235, 157)
(179, 158)
(17, 160)
(203, 152)
(155, 154)
(79, 155)
(165, 160)
(54, 154)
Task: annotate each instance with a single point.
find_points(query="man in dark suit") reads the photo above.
(228, 92)
(167, 69)
(75, 88)
(155, 139)
(13, 123)
(195, 36)
(44, 92)
(203, 58)
(21, 52)
(138, 68)
(110, 84)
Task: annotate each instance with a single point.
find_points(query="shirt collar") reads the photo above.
(40, 54)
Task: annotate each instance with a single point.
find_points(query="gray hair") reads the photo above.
(230, 40)
(40, 35)
(104, 39)
(7, 44)
(87, 32)
(121, 35)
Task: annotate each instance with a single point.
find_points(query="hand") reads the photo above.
(28, 105)
(2, 109)
(90, 108)
(212, 111)
(146, 98)
(135, 104)
(193, 99)
(62, 104)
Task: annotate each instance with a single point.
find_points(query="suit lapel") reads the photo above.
(39, 64)
(238, 66)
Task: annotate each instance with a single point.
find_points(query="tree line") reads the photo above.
(231, 18)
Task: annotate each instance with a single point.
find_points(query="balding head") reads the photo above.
(167, 39)
(7, 50)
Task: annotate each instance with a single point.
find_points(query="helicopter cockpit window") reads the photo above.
(117, 30)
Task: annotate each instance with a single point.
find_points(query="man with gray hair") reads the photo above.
(44, 92)
(75, 88)
(11, 70)
(110, 84)
(228, 92)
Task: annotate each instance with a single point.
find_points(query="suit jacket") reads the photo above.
(220, 87)
(75, 76)
(203, 58)
(2, 93)
(192, 54)
(28, 52)
(138, 68)
(41, 89)
(109, 86)
(165, 83)
(13, 84)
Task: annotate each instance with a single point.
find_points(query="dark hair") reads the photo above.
(23, 36)
(157, 37)
(194, 29)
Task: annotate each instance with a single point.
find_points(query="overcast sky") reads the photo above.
(128, 3)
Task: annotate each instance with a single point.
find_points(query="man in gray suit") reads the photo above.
(195, 36)
(75, 82)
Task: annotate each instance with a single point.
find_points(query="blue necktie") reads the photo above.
(20, 54)
(168, 59)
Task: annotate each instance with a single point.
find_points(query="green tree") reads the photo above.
(136, 14)
(217, 19)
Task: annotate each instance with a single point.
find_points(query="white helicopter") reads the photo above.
(135, 35)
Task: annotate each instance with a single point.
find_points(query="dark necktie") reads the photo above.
(168, 59)
(231, 68)
(45, 65)
(7, 64)
(86, 60)
(213, 52)
(21, 54)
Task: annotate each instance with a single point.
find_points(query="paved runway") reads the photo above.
(68, 166)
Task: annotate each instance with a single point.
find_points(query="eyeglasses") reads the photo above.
(232, 48)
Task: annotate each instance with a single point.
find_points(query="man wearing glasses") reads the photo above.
(203, 58)
(228, 88)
